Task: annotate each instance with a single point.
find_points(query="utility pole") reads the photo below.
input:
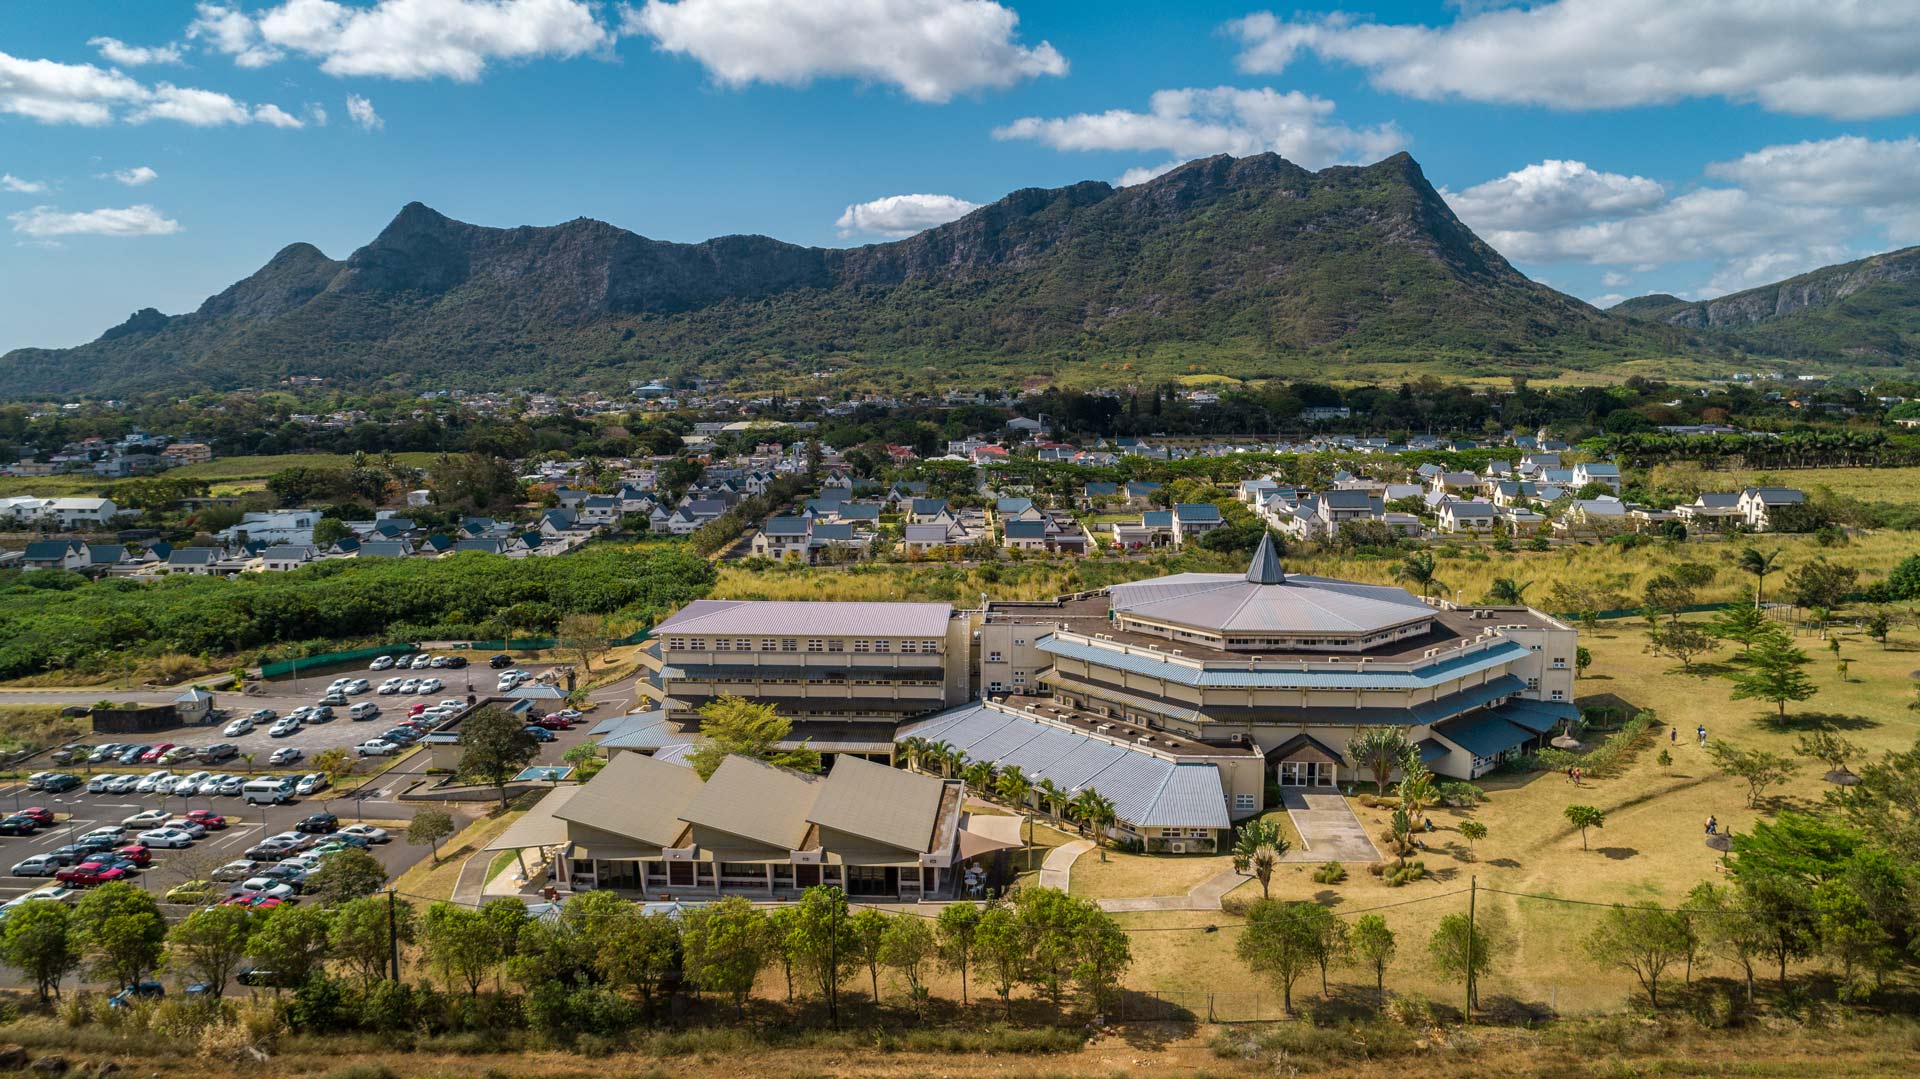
(1473, 941)
(833, 962)
(393, 936)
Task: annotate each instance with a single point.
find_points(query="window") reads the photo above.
(1018, 643)
(1559, 663)
(816, 646)
(676, 643)
(789, 644)
(883, 646)
(995, 687)
(836, 646)
(721, 644)
(1019, 677)
(993, 657)
(743, 644)
(1533, 683)
(1243, 802)
(859, 646)
(768, 644)
(1559, 695)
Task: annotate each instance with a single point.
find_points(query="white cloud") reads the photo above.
(1140, 174)
(10, 182)
(56, 93)
(1606, 300)
(929, 49)
(360, 110)
(317, 113)
(405, 39)
(276, 116)
(1224, 120)
(1849, 171)
(115, 51)
(1615, 280)
(46, 221)
(1805, 57)
(133, 177)
(902, 215)
(1553, 193)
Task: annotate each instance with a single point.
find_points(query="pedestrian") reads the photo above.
(1713, 824)
(1673, 735)
(1570, 773)
(1701, 730)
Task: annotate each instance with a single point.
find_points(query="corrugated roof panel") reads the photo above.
(1078, 767)
(1049, 746)
(1442, 669)
(1483, 734)
(1192, 797)
(802, 617)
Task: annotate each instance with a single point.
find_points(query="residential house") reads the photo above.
(1601, 472)
(1191, 520)
(1461, 516)
(68, 554)
(1712, 512)
(78, 513)
(1153, 529)
(1757, 504)
(287, 557)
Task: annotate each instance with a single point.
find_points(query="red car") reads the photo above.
(208, 819)
(41, 815)
(417, 708)
(553, 723)
(155, 752)
(137, 853)
(257, 902)
(88, 874)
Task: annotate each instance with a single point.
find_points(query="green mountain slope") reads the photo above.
(1865, 312)
(1237, 263)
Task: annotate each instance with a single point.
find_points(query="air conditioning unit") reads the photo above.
(1177, 848)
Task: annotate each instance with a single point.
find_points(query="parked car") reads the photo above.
(268, 851)
(286, 755)
(236, 871)
(88, 874)
(67, 754)
(38, 865)
(90, 845)
(390, 686)
(191, 827)
(232, 786)
(41, 815)
(132, 754)
(146, 818)
(219, 751)
(61, 783)
(312, 783)
(189, 785)
(178, 754)
(285, 728)
(153, 753)
(318, 824)
(376, 748)
(500, 662)
(133, 994)
(139, 854)
(321, 713)
(358, 686)
(208, 819)
(368, 832)
(552, 723)
(166, 837)
(263, 715)
(422, 661)
(124, 784)
(365, 710)
(410, 686)
(430, 686)
(102, 752)
(264, 886)
(454, 663)
(18, 825)
(99, 784)
(334, 698)
(238, 727)
(193, 891)
(541, 734)
(71, 854)
(381, 663)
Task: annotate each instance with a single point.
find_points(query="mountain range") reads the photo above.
(1241, 266)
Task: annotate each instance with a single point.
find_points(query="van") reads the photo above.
(268, 791)
(363, 710)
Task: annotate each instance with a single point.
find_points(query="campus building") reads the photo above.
(1292, 665)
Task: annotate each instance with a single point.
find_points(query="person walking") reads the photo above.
(1673, 735)
(1701, 731)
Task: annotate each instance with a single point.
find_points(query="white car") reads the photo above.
(312, 782)
(188, 785)
(507, 684)
(339, 685)
(381, 663)
(192, 827)
(146, 818)
(411, 685)
(367, 832)
(363, 710)
(376, 748)
(451, 703)
(109, 831)
(166, 837)
(231, 785)
(151, 782)
(390, 686)
(422, 661)
(123, 785)
(285, 755)
(430, 687)
(238, 727)
(266, 886)
(358, 686)
(101, 783)
(287, 726)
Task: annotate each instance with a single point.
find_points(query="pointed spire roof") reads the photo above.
(1265, 568)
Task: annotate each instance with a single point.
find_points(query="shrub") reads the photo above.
(1406, 874)
(1330, 873)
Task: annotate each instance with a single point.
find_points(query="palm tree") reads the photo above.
(913, 750)
(1758, 563)
(1052, 797)
(1094, 811)
(978, 775)
(1416, 789)
(1506, 590)
(1418, 569)
(1015, 789)
(1257, 852)
(945, 756)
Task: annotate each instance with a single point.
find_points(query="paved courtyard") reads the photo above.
(1329, 832)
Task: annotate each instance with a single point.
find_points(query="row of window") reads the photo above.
(748, 680)
(923, 646)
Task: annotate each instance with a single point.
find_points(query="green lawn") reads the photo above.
(225, 473)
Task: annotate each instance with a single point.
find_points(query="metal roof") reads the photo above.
(804, 617)
(1229, 602)
(887, 805)
(1537, 716)
(1146, 790)
(1438, 671)
(754, 800)
(1483, 734)
(635, 796)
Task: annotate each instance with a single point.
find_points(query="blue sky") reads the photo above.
(153, 153)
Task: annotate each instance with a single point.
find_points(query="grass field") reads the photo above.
(228, 475)
(1873, 484)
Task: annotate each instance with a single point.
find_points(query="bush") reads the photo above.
(1330, 873)
(1406, 874)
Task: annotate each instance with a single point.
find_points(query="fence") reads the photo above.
(307, 663)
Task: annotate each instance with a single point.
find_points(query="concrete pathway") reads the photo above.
(1056, 870)
(1329, 832)
(1205, 895)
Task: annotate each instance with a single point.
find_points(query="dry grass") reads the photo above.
(36, 726)
(436, 881)
(1873, 484)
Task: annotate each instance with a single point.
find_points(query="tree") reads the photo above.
(120, 927)
(1780, 908)
(1373, 947)
(956, 928)
(1418, 569)
(1508, 592)
(1665, 761)
(632, 948)
(1331, 941)
(1760, 768)
(361, 932)
(291, 942)
(908, 948)
(1880, 626)
(1727, 930)
(821, 941)
(1472, 831)
(349, 874)
(584, 636)
(726, 944)
(460, 944)
(735, 726)
(1643, 940)
(1681, 641)
(869, 933)
(328, 531)
(1667, 596)
(1094, 811)
(1850, 935)
(430, 826)
(39, 942)
(1740, 624)
(1822, 584)
(1829, 749)
(1416, 789)
(495, 747)
(1103, 954)
(336, 764)
(210, 943)
(1464, 949)
(1773, 673)
(1282, 941)
(1000, 945)
(1380, 750)
(1257, 851)
(1014, 788)
(1760, 564)
(1583, 818)
(1582, 659)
